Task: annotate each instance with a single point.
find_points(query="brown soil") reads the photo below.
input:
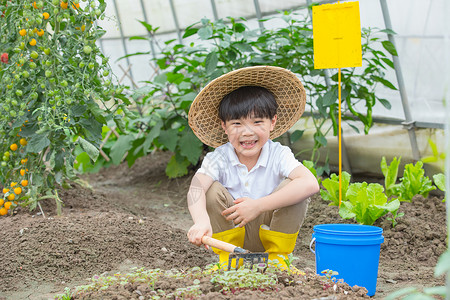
(138, 218)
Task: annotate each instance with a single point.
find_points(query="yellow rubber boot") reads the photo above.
(279, 245)
(233, 236)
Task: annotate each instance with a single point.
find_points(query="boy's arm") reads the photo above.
(303, 185)
(197, 208)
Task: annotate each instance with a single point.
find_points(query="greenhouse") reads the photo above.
(224, 149)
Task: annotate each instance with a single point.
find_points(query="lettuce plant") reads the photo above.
(366, 203)
(439, 181)
(414, 182)
(332, 188)
(390, 173)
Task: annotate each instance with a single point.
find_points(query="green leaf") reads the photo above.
(321, 140)
(389, 47)
(390, 175)
(190, 31)
(190, 146)
(176, 78)
(296, 135)
(211, 62)
(385, 103)
(154, 132)
(439, 181)
(169, 138)
(120, 147)
(388, 31)
(97, 112)
(436, 290)
(388, 62)
(90, 149)
(400, 293)
(205, 32)
(38, 142)
(177, 166)
(443, 264)
(243, 47)
(384, 82)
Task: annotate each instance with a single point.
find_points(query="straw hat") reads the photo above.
(284, 85)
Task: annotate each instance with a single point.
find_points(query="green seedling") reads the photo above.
(367, 203)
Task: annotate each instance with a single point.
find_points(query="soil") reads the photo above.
(137, 217)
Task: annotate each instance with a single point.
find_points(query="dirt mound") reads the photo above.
(138, 218)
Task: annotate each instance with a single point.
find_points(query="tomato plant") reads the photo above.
(52, 102)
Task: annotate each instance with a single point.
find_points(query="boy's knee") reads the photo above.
(217, 194)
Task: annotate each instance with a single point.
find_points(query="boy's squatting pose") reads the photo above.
(250, 191)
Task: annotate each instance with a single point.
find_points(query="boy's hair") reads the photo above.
(248, 101)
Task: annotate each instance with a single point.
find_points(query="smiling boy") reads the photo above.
(250, 191)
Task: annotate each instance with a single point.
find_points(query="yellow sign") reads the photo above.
(337, 35)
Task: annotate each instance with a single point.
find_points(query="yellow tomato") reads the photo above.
(46, 15)
(23, 32)
(33, 42)
(13, 147)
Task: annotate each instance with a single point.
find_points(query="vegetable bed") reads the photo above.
(136, 218)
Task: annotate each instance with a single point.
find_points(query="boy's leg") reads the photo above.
(288, 219)
(217, 200)
(279, 236)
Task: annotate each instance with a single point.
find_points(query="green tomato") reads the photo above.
(34, 95)
(105, 73)
(47, 51)
(93, 4)
(68, 101)
(21, 61)
(21, 113)
(25, 74)
(7, 154)
(40, 118)
(55, 2)
(42, 85)
(81, 64)
(64, 83)
(9, 86)
(57, 98)
(17, 77)
(4, 163)
(48, 73)
(48, 63)
(91, 65)
(34, 55)
(32, 65)
(17, 50)
(14, 102)
(87, 49)
(13, 113)
(19, 93)
(51, 101)
(98, 12)
(5, 158)
(22, 46)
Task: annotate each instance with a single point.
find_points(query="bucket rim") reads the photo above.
(353, 229)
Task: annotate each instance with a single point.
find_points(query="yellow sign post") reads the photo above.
(337, 44)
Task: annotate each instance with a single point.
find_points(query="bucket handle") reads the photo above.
(310, 245)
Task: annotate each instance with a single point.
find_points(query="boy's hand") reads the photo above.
(197, 231)
(245, 210)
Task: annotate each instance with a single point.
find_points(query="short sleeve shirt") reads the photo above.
(274, 164)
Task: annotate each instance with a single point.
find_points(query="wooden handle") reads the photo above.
(207, 240)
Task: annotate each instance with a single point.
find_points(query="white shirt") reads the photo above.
(274, 164)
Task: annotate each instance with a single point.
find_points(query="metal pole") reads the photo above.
(258, 14)
(122, 36)
(327, 76)
(175, 19)
(409, 123)
(214, 9)
(152, 46)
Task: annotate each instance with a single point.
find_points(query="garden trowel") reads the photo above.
(240, 255)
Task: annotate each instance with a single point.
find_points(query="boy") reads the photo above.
(250, 191)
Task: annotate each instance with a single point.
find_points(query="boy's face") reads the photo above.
(248, 135)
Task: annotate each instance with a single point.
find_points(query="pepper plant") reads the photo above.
(56, 94)
(226, 45)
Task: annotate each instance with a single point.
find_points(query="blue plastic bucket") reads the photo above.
(351, 250)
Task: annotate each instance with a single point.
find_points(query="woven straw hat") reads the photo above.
(284, 85)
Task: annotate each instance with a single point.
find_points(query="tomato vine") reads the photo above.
(56, 94)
